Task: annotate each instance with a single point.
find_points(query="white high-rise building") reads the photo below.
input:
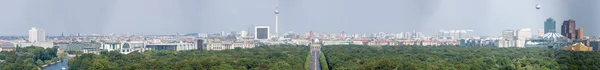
(243, 33)
(223, 34)
(540, 32)
(37, 35)
(441, 33)
(524, 34)
(419, 35)
(508, 34)
(462, 34)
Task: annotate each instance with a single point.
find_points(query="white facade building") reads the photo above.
(455, 34)
(520, 43)
(37, 35)
(243, 33)
(125, 47)
(111, 46)
(228, 45)
(39, 44)
(508, 34)
(202, 35)
(524, 34)
(506, 43)
(172, 46)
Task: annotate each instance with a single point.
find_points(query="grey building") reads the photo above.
(508, 34)
(262, 32)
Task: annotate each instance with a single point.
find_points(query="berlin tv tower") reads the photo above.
(276, 20)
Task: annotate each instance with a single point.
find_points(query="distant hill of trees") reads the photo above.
(282, 57)
(353, 57)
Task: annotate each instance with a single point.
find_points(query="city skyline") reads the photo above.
(277, 34)
(486, 18)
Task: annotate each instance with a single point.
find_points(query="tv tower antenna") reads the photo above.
(276, 19)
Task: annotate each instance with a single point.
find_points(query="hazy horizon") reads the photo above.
(160, 17)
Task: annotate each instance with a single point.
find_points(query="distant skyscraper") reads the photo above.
(37, 35)
(508, 34)
(407, 35)
(524, 34)
(549, 25)
(419, 35)
(541, 32)
(261, 32)
(243, 33)
(455, 34)
(568, 29)
(579, 33)
(462, 34)
(223, 34)
(251, 30)
(441, 33)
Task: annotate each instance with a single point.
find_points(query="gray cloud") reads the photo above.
(486, 17)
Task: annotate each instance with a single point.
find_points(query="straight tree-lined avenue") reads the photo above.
(315, 55)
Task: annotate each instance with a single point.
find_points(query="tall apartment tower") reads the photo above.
(37, 35)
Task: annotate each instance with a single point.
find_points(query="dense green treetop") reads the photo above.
(280, 57)
(28, 58)
(343, 57)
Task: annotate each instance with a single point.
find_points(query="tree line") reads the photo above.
(28, 58)
(353, 57)
(279, 57)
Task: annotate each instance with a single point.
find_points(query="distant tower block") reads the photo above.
(310, 37)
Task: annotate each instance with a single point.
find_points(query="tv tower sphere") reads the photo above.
(277, 9)
(538, 6)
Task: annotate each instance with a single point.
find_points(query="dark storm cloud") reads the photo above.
(585, 13)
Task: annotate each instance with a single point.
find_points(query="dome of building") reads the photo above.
(553, 37)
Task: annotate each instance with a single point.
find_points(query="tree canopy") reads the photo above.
(352, 57)
(28, 58)
(279, 57)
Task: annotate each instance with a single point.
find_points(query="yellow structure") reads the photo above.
(578, 47)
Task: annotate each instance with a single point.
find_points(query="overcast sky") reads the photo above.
(485, 17)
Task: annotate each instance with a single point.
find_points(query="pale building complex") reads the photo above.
(124, 47)
(454, 34)
(172, 46)
(215, 44)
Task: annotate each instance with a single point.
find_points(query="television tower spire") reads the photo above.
(276, 20)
